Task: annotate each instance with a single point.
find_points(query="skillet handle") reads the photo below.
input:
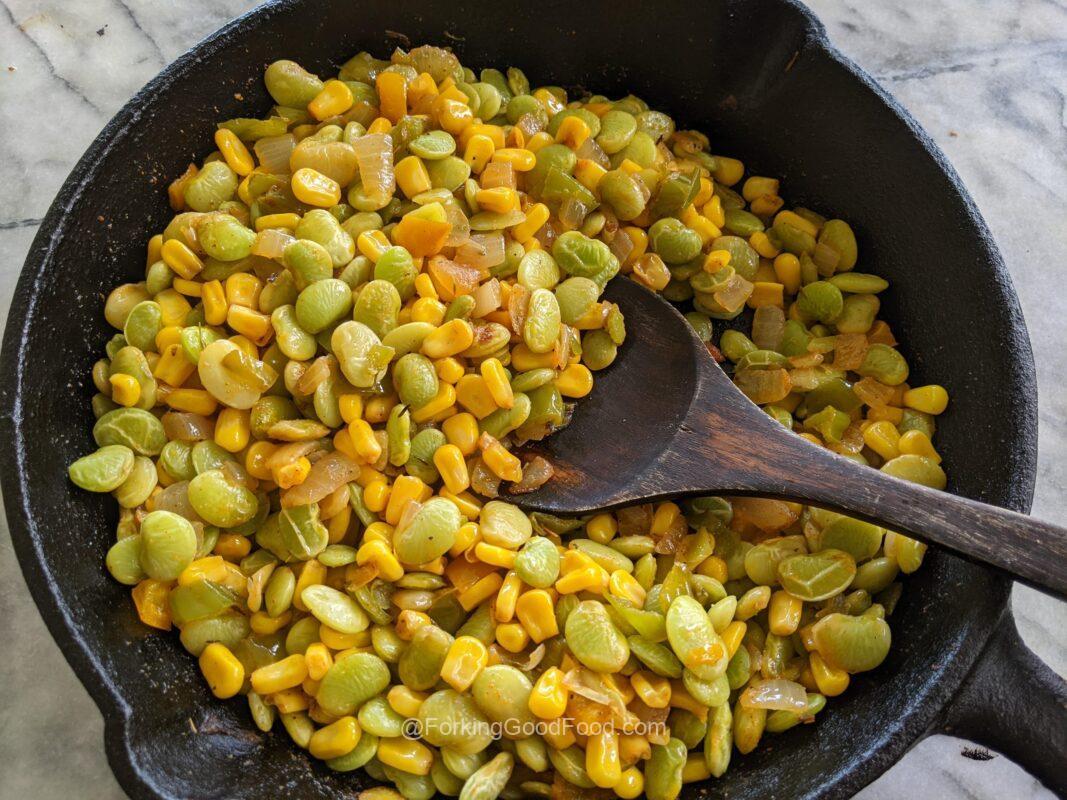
(1013, 703)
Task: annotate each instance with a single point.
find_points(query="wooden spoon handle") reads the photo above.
(1030, 550)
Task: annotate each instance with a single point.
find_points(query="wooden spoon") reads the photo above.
(664, 420)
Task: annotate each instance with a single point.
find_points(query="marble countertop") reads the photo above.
(987, 80)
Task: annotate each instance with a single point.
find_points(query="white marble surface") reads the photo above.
(987, 79)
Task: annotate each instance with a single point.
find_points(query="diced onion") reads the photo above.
(775, 695)
(271, 243)
(187, 427)
(374, 152)
(273, 153)
(327, 474)
(482, 250)
(487, 298)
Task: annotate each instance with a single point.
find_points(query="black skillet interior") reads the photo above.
(760, 77)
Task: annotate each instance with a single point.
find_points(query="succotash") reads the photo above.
(314, 413)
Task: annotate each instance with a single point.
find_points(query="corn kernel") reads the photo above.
(196, 401)
(536, 216)
(232, 546)
(405, 701)
(408, 623)
(451, 338)
(334, 98)
(445, 399)
(222, 670)
(549, 697)
(602, 528)
(497, 556)
(484, 588)
(521, 160)
(478, 151)
(931, 399)
(831, 681)
(256, 459)
(466, 659)
(406, 755)
(453, 468)
(412, 177)
(125, 390)
(318, 660)
(284, 674)
(918, 443)
(312, 187)
(234, 152)
(654, 691)
(181, 260)
(293, 474)
(474, 395)
(883, 438)
(337, 739)
(623, 584)
(576, 380)
(405, 489)
(462, 432)
(512, 636)
(500, 461)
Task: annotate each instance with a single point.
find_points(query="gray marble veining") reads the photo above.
(987, 79)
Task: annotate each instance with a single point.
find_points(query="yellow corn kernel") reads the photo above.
(713, 567)
(602, 528)
(623, 584)
(408, 623)
(787, 268)
(560, 736)
(232, 546)
(350, 406)
(469, 505)
(499, 199)
(428, 309)
(580, 580)
(497, 556)
(311, 574)
(380, 125)
(289, 220)
(523, 359)
(405, 489)
(337, 739)
(373, 244)
(445, 399)
(466, 659)
(783, 614)
(500, 461)
(234, 152)
(695, 769)
(654, 691)
(155, 245)
(453, 115)
(536, 612)
(482, 589)
(284, 674)
(762, 244)
(449, 339)
(265, 625)
(243, 289)
(831, 681)
(256, 460)
(474, 395)
(213, 297)
(334, 98)
(494, 132)
(631, 784)
(125, 390)
(422, 88)
(335, 640)
(182, 261)
(405, 701)
(602, 762)
(883, 438)
(449, 369)
(478, 151)
(392, 95)
(573, 131)
(187, 288)
(364, 440)
(376, 495)
(197, 401)
(252, 324)
(536, 216)
(766, 205)
(588, 173)
(293, 474)
(412, 177)
(507, 598)
(318, 660)
(453, 468)
(406, 755)
(665, 517)
(931, 399)
(424, 286)
(796, 221)
(576, 380)
(222, 670)
(337, 525)
(512, 636)
(765, 293)
(466, 536)
(312, 187)
(728, 171)
(377, 408)
(521, 160)
(462, 432)
(170, 335)
(291, 701)
(917, 443)
(549, 697)
(732, 636)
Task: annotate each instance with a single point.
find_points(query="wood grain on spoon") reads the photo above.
(664, 420)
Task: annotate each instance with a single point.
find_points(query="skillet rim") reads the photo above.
(905, 731)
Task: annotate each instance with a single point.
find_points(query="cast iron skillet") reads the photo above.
(762, 78)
